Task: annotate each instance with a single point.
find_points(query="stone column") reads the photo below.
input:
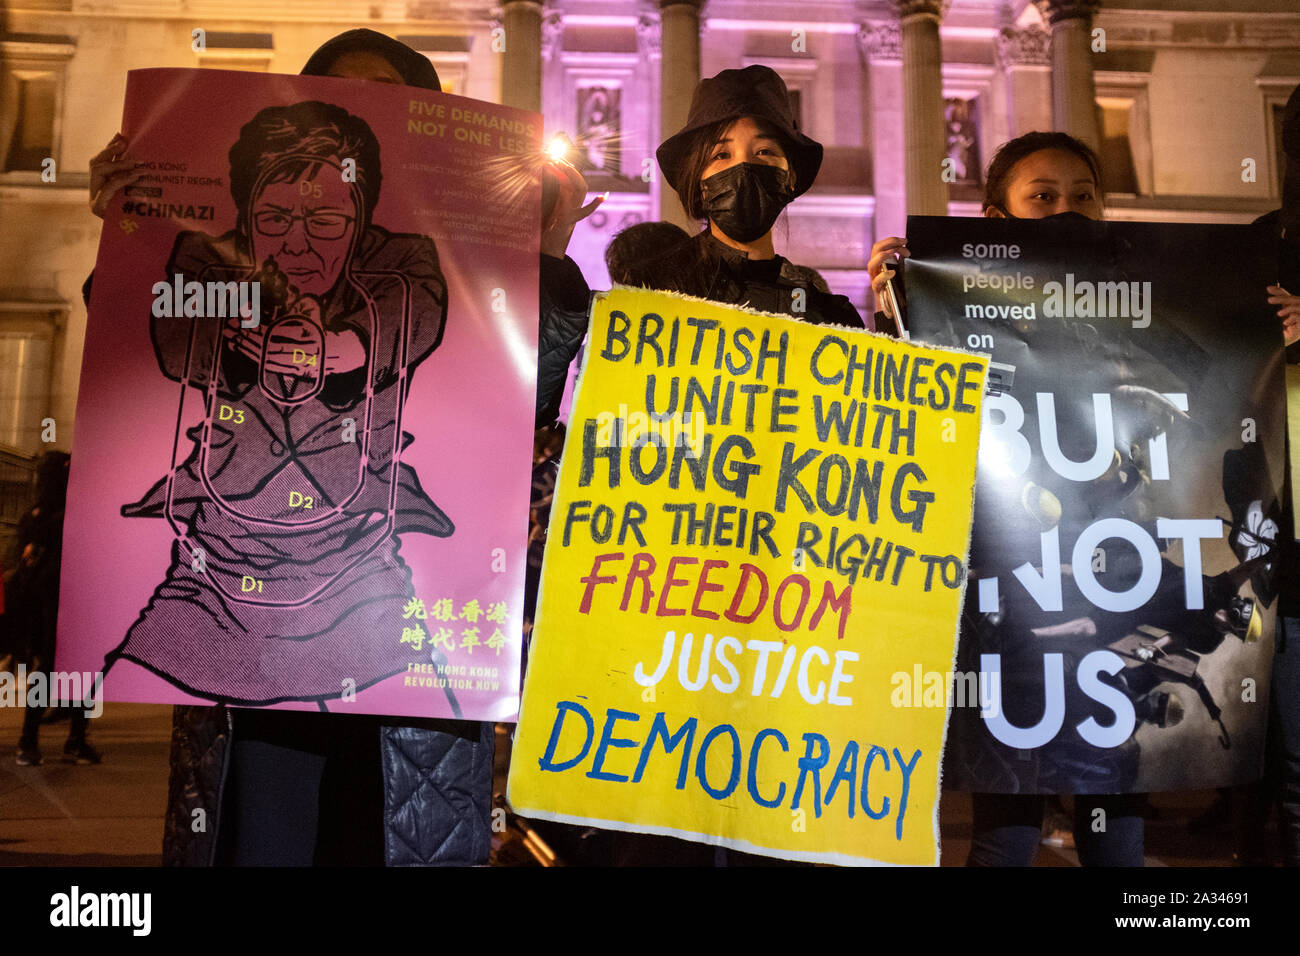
(923, 128)
(679, 74)
(556, 107)
(521, 67)
(881, 43)
(650, 135)
(1025, 59)
(1074, 95)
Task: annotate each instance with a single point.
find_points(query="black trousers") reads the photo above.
(1007, 829)
(304, 789)
(32, 724)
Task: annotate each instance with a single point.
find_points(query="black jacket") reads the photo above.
(706, 268)
(700, 266)
(562, 317)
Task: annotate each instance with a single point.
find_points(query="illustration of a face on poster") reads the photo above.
(309, 559)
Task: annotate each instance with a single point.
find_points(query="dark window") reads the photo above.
(1118, 174)
(33, 136)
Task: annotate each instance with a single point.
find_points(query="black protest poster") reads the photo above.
(1122, 592)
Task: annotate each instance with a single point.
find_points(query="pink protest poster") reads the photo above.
(301, 469)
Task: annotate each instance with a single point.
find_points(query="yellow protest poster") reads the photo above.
(759, 525)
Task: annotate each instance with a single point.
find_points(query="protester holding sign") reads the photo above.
(1035, 176)
(284, 788)
(297, 788)
(737, 163)
(1041, 176)
(758, 525)
(1124, 548)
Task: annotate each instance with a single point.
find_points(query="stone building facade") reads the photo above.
(910, 97)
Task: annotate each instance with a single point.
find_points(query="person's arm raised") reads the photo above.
(562, 313)
(557, 228)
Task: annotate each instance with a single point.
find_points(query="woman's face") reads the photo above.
(306, 225)
(747, 140)
(1048, 182)
(364, 65)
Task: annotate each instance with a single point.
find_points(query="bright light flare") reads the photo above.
(558, 148)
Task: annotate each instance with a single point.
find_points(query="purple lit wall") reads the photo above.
(600, 85)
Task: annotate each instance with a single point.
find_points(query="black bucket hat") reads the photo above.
(754, 91)
(415, 69)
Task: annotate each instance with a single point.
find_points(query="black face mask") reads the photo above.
(1070, 215)
(744, 200)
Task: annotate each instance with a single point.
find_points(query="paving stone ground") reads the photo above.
(61, 814)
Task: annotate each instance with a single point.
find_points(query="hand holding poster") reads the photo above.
(1122, 599)
(268, 504)
(758, 523)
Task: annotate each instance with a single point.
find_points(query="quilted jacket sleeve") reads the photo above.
(437, 792)
(562, 313)
(200, 741)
